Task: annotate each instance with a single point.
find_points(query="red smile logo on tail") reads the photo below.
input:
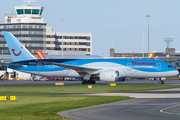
(15, 53)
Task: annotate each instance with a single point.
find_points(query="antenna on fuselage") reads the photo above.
(29, 1)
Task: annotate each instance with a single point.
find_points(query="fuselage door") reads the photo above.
(129, 65)
(130, 71)
(74, 63)
(39, 65)
(158, 66)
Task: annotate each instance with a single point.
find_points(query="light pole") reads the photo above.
(148, 33)
(62, 35)
(143, 43)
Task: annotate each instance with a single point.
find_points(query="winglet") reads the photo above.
(17, 50)
(40, 54)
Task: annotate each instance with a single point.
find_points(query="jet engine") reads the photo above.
(109, 76)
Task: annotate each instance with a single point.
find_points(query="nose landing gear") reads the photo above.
(161, 82)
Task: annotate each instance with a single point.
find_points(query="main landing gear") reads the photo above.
(88, 82)
(161, 82)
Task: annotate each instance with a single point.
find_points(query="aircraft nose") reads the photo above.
(177, 72)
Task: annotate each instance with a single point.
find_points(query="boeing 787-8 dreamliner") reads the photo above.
(108, 70)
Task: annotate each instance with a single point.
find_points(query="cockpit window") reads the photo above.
(170, 66)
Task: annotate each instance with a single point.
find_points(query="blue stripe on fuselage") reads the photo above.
(137, 64)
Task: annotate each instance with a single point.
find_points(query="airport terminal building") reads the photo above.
(29, 27)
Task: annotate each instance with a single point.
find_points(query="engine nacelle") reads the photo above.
(109, 76)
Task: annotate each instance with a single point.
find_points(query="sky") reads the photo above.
(113, 23)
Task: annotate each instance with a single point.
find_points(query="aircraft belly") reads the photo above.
(141, 74)
(156, 74)
(62, 73)
(136, 73)
(161, 74)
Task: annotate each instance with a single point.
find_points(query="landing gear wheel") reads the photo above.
(84, 82)
(161, 82)
(93, 82)
(89, 82)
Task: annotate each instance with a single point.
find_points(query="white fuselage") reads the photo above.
(124, 71)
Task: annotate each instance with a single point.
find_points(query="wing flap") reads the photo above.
(4, 64)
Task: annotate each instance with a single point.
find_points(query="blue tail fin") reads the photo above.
(17, 50)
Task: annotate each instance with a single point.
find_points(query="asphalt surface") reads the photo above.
(149, 105)
(134, 109)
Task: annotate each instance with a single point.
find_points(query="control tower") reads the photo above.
(27, 25)
(26, 14)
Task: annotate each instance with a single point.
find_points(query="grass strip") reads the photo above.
(97, 88)
(45, 107)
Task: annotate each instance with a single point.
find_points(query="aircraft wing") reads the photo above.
(76, 68)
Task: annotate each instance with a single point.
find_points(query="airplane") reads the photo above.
(155, 53)
(106, 69)
(40, 55)
(152, 54)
